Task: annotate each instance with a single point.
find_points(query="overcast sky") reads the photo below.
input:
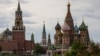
(36, 11)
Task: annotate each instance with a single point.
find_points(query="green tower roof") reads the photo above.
(83, 26)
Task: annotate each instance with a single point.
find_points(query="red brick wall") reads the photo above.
(8, 45)
(29, 45)
(19, 35)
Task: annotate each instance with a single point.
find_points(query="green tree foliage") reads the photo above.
(56, 54)
(39, 49)
(94, 49)
(78, 49)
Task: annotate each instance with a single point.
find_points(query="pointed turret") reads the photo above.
(44, 28)
(58, 27)
(49, 42)
(68, 16)
(18, 17)
(44, 35)
(32, 37)
(18, 8)
(76, 29)
(84, 34)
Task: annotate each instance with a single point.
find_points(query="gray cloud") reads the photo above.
(26, 13)
(24, 1)
(5, 1)
(30, 22)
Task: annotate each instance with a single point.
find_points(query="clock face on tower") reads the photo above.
(18, 23)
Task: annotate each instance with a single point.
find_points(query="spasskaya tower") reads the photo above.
(18, 30)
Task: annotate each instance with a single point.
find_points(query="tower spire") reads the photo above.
(83, 20)
(18, 8)
(32, 37)
(68, 18)
(44, 35)
(68, 11)
(49, 42)
(68, 2)
(58, 20)
(44, 27)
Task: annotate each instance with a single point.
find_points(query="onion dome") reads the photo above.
(58, 27)
(76, 29)
(7, 31)
(83, 26)
(65, 26)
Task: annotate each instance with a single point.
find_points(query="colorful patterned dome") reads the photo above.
(65, 26)
(83, 26)
(58, 27)
(59, 33)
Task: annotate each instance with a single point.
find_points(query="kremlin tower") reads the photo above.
(18, 30)
(44, 41)
(15, 40)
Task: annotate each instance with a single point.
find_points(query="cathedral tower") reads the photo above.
(68, 18)
(18, 30)
(84, 34)
(58, 36)
(66, 36)
(69, 21)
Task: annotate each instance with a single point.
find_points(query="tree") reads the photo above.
(78, 49)
(55, 54)
(39, 49)
(94, 49)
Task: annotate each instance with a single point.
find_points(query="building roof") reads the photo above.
(68, 16)
(58, 27)
(7, 31)
(18, 8)
(76, 29)
(44, 30)
(83, 26)
(65, 26)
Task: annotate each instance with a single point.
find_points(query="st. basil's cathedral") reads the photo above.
(64, 35)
